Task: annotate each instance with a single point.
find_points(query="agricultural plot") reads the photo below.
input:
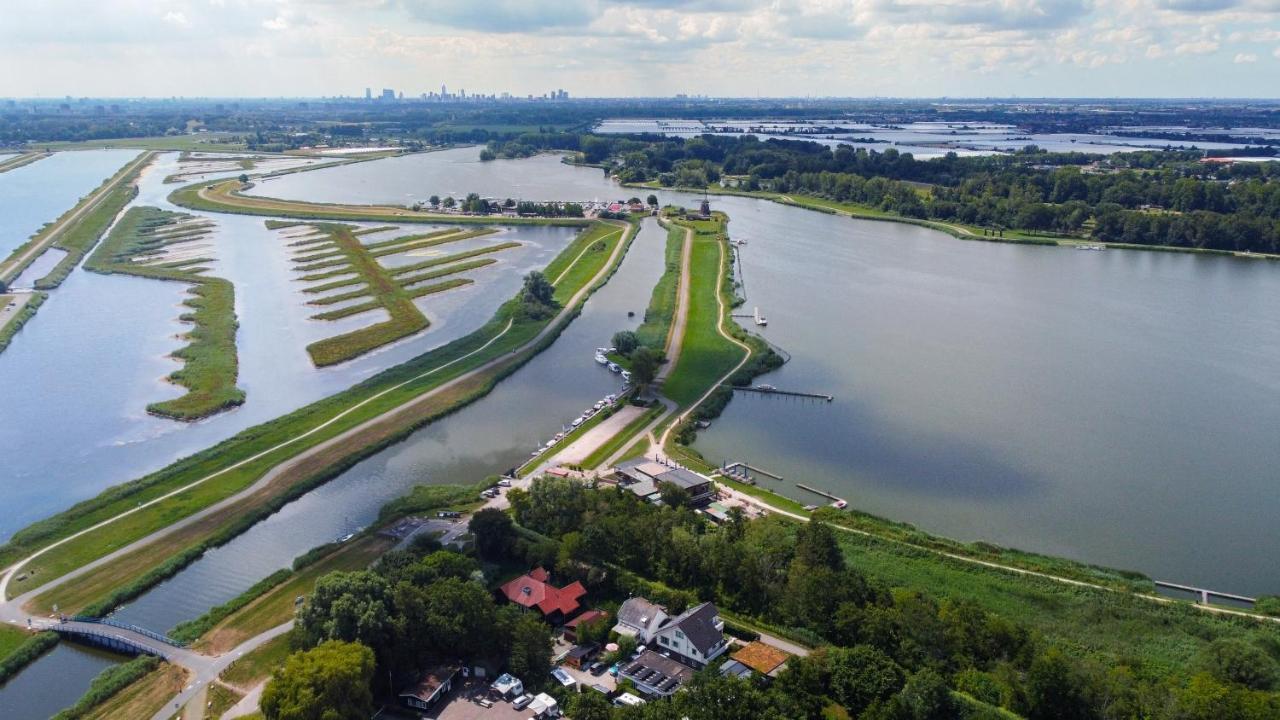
(194, 165)
(162, 245)
(347, 277)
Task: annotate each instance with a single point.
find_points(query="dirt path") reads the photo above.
(578, 450)
(675, 336)
(9, 267)
(7, 314)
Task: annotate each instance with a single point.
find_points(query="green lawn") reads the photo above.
(11, 638)
(662, 303)
(705, 356)
(204, 142)
(258, 665)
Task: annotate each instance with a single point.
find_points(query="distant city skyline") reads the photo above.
(656, 48)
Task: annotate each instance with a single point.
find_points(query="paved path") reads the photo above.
(213, 667)
(19, 300)
(10, 268)
(578, 450)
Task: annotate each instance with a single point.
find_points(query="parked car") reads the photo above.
(522, 702)
(448, 514)
(597, 668)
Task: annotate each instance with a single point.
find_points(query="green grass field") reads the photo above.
(205, 142)
(258, 665)
(211, 364)
(705, 356)
(662, 303)
(11, 638)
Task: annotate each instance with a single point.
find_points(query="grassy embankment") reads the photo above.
(224, 196)
(220, 472)
(133, 689)
(21, 160)
(79, 228)
(662, 303)
(258, 665)
(19, 649)
(137, 246)
(615, 443)
(338, 253)
(705, 355)
(25, 313)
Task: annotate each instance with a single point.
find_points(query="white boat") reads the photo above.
(766, 388)
(626, 375)
(577, 422)
(602, 351)
(599, 405)
(602, 359)
(615, 367)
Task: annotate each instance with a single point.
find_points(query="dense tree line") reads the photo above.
(892, 653)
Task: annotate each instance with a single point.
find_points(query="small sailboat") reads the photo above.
(601, 359)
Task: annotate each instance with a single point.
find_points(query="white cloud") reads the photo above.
(1197, 47)
(174, 17)
(1242, 58)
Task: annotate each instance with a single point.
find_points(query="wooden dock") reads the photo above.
(731, 469)
(769, 390)
(1204, 593)
(837, 502)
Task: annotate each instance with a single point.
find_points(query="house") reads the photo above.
(695, 637)
(534, 591)
(565, 679)
(639, 618)
(435, 684)
(590, 616)
(655, 675)
(645, 477)
(762, 658)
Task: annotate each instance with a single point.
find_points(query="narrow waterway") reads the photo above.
(84, 369)
(489, 436)
(53, 682)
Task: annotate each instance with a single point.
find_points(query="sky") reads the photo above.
(612, 48)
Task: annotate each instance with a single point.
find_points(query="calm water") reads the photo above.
(85, 368)
(1113, 407)
(414, 178)
(35, 194)
(53, 682)
(489, 436)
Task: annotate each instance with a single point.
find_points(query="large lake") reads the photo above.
(1114, 407)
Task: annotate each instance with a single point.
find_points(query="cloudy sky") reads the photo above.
(1202, 48)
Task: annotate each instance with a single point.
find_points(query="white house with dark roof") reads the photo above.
(695, 637)
(639, 618)
(645, 477)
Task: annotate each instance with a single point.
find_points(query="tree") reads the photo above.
(1236, 661)
(862, 675)
(588, 706)
(449, 202)
(653, 201)
(926, 697)
(530, 656)
(1055, 689)
(816, 546)
(538, 289)
(644, 366)
(625, 342)
(329, 682)
(434, 200)
(244, 178)
(486, 155)
(348, 606)
(494, 532)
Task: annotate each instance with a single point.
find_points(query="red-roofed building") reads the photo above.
(534, 591)
(571, 627)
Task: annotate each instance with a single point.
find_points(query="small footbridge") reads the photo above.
(117, 636)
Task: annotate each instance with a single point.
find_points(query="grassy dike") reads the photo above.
(211, 363)
(225, 197)
(24, 159)
(233, 465)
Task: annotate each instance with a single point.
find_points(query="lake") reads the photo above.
(1112, 407)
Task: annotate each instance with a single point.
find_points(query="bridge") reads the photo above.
(119, 637)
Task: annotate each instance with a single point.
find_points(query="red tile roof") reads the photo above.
(586, 617)
(532, 590)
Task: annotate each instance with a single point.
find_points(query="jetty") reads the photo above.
(836, 502)
(1204, 593)
(771, 390)
(733, 470)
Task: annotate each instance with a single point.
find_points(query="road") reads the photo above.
(11, 267)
